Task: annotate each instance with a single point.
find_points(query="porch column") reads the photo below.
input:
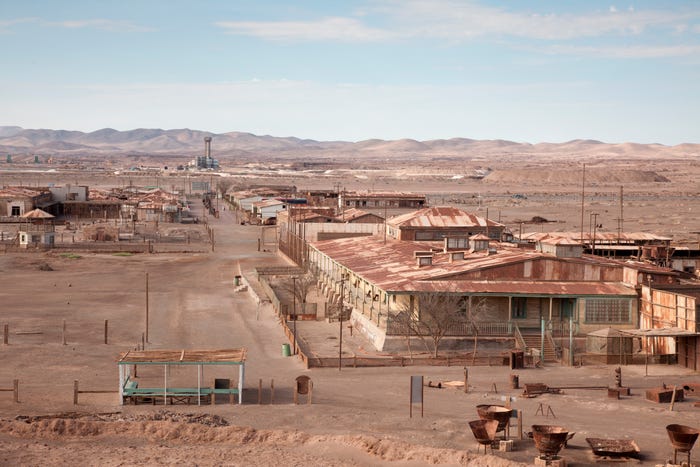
(241, 375)
(510, 308)
(551, 299)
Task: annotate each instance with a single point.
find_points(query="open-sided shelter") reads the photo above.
(128, 385)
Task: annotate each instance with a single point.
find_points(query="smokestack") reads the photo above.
(207, 147)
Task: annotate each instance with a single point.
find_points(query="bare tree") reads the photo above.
(300, 286)
(223, 185)
(476, 309)
(432, 317)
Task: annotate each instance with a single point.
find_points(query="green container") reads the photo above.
(286, 350)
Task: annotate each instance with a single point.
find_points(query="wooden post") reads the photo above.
(64, 334)
(106, 330)
(143, 341)
(311, 392)
(466, 379)
(272, 391)
(230, 394)
(6, 334)
(75, 392)
(673, 399)
(213, 394)
(520, 424)
(260, 391)
(15, 389)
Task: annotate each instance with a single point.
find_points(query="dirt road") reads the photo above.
(359, 416)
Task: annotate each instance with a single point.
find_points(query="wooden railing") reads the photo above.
(519, 337)
(480, 328)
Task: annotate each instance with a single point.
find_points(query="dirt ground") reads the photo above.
(358, 416)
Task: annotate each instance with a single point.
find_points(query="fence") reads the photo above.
(112, 247)
(466, 359)
(462, 329)
(14, 389)
(56, 333)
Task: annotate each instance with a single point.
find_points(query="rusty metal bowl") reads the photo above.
(549, 439)
(484, 430)
(682, 437)
(494, 412)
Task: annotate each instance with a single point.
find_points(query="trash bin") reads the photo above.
(237, 281)
(517, 359)
(514, 381)
(286, 350)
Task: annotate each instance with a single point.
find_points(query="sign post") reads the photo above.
(416, 394)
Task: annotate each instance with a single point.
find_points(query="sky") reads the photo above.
(526, 71)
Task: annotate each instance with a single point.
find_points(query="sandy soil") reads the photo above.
(359, 416)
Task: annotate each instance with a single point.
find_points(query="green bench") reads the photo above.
(174, 395)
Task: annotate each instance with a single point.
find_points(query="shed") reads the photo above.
(610, 341)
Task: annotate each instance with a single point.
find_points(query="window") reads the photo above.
(608, 310)
(456, 243)
(519, 308)
(15, 211)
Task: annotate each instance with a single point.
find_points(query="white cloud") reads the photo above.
(625, 52)
(459, 20)
(101, 24)
(7, 25)
(333, 28)
(613, 9)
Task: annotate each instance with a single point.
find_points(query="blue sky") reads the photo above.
(524, 71)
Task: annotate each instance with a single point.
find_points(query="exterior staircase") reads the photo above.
(534, 341)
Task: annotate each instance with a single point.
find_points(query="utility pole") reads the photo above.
(294, 310)
(146, 307)
(340, 320)
(583, 197)
(595, 226)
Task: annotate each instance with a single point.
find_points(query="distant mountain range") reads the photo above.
(185, 142)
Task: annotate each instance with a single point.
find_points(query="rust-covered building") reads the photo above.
(437, 223)
(515, 288)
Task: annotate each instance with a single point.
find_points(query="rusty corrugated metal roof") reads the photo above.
(352, 214)
(391, 265)
(24, 192)
(268, 202)
(600, 237)
(381, 194)
(440, 216)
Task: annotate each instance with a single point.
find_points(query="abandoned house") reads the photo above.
(17, 201)
(506, 291)
(437, 223)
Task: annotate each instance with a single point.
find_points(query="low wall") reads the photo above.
(368, 329)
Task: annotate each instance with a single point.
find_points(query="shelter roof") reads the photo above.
(187, 356)
(37, 214)
(609, 332)
(662, 332)
(442, 217)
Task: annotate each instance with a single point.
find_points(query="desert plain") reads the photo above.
(359, 416)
